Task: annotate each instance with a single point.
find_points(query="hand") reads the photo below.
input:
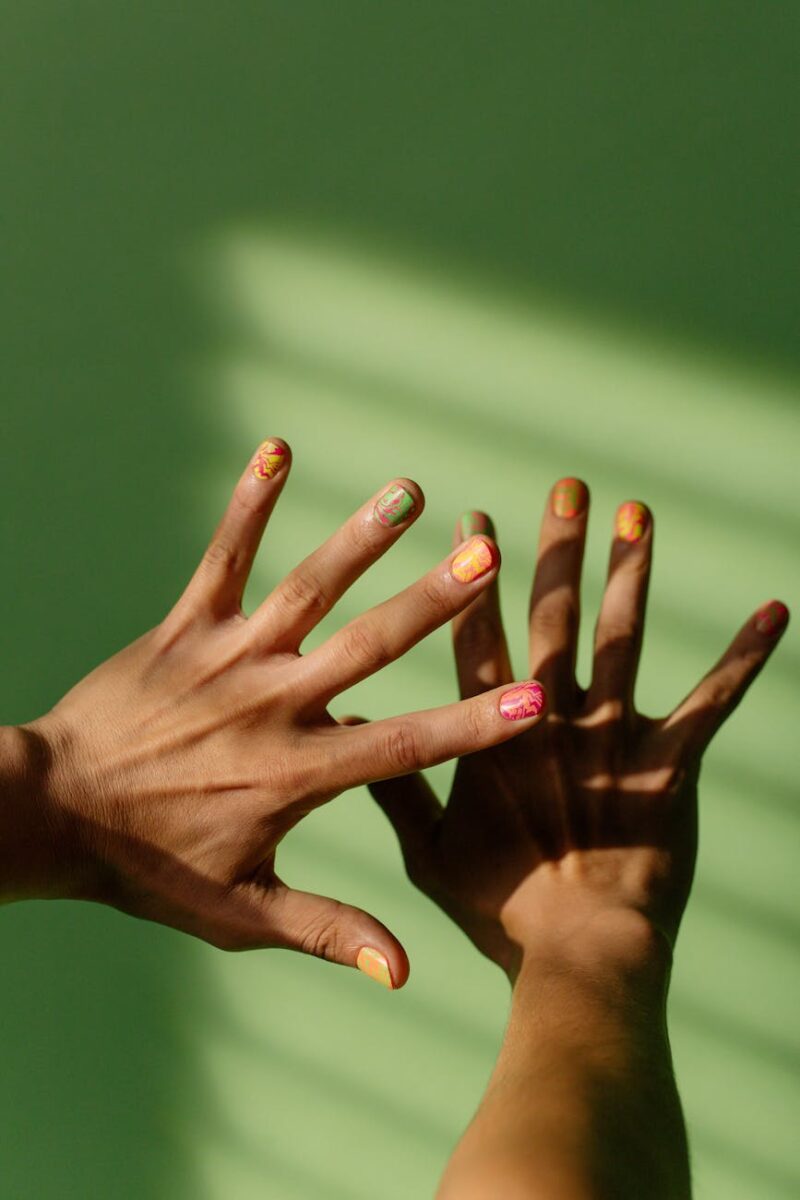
(164, 781)
(582, 832)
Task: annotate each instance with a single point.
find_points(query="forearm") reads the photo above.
(582, 1104)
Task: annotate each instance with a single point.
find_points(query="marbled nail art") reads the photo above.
(394, 505)
(524, 700)
(474, 560)
(772, 618)
(569, 498)
(270, 458)
(631, 523)
(374, 964)
(474, 522)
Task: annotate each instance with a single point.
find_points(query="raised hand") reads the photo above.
(163, 783)
(583, 830)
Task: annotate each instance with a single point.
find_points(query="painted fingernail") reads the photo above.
(569, 498)
(632, 521)
(374, 964)
(524, 700)
(772, 618)
(271, 457)
(474, 522)
(394, 505)
(474, 560)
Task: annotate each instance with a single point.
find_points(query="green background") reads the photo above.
(481, 244)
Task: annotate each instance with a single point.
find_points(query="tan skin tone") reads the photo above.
(567, 857)
(164, 782)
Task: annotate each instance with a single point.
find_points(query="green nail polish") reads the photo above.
(475, 522)
(394, 505)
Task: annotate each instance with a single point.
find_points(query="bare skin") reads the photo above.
(163, 783)
(567, 857)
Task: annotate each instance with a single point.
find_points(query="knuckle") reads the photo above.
(553, 618)
(303, 590)
(619, 641)
(220, 554)
(474, 725)
(323, 940)
(432, 596)
(363, 645)
(402, 751)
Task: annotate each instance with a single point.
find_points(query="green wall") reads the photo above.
(481, 244)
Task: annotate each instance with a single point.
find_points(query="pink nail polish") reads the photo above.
(772, 618)
(374, 964)
(632, 521)
(523, 701)
(477, 557)
(271, 457)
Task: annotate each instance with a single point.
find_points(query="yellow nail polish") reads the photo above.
(632, 521)
(374, 964)
(270, 458)
(474, 560)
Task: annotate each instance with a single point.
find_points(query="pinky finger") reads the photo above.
(707, 707)
(402, 745)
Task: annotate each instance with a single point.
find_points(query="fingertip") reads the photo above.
(390, 969)
(475, 558)
(523, 701)
(632, 521)
(569, 498)
(400, 503)
(771, 619)
(473, 522)
(273, 457)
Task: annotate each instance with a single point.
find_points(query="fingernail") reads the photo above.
(569, 498)
(374, 964)
(524, 700)
(632, 521)
(271, 457)
(471, 523)
(474, 560)
(772, 618)
(394, 505)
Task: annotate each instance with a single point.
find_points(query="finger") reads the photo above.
(554, 615)
(402, 745)
(386, 632)
(618, 637)
(482, 660)
(337, 932)
(297, 604)
(218, 583)
(412, 808)
(699, 716)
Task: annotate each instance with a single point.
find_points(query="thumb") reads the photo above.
(338, 932)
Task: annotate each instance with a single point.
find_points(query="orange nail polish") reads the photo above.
(374, 964)
(632, 521)
(569, 498)
(772, 618)
(474, 560)
(271, 457)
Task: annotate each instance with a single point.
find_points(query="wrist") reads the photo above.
(614, 956)
(37, 848)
